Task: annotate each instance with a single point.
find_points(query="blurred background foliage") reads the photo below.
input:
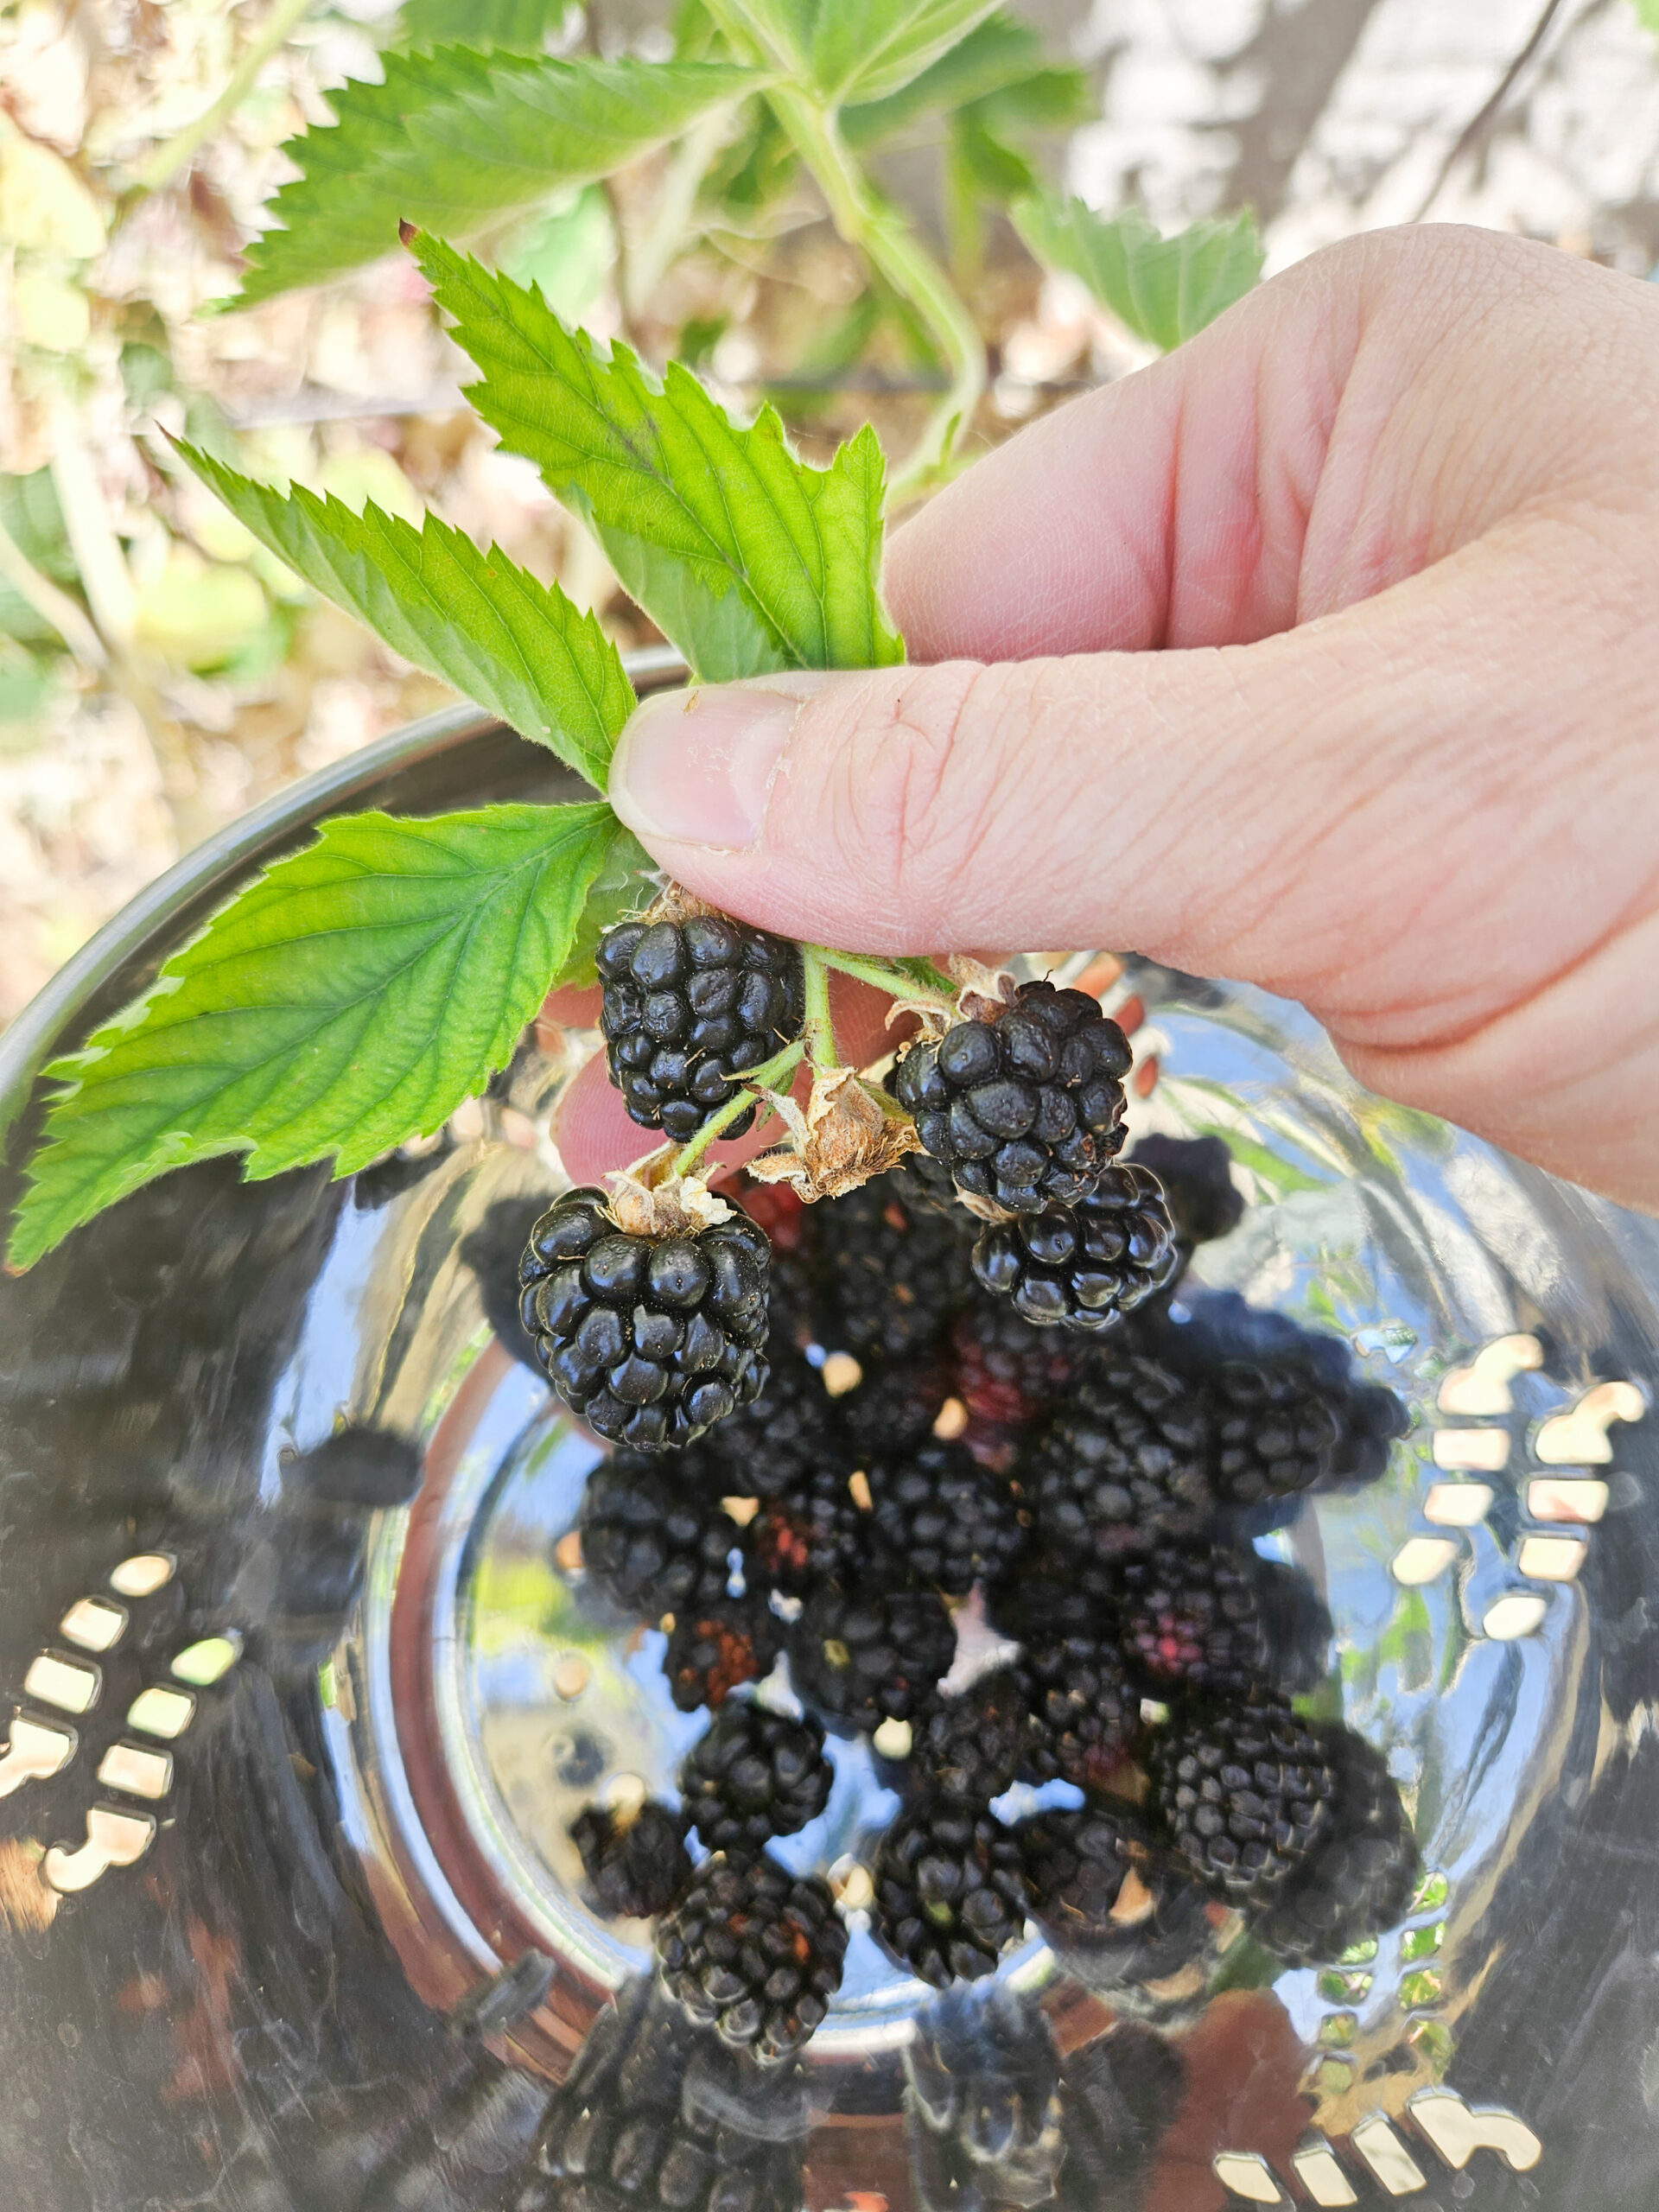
(159, 672)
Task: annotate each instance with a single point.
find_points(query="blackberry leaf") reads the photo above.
(519, 647)
(508, 26)
(1163, 289)
(998, 55)
(352, 996)
(858, 50)
(747, 558)
(458, 140)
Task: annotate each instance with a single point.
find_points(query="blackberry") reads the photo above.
(1085, 1713)
(795, 1233)
(1026, 1108)
(1275, 1433)
(636, 1862)
(1196, 1173)
(1009, 1372)
(1124, 1462)
(1087, 1264)
(1359, 1878)
(1077, 1863)
(688, 1008)
(942, 1518)
(652, 1542)
(812, 1532)
(1190, 1621)
(754, 1952)
(792, 1429)
(894, 1408)
(651, 1341)
(1245, 1792)
(950, 1890)
(895, 1268)
(974, 1745)
(714, 1650)
(871, 1656)
(755, 1775)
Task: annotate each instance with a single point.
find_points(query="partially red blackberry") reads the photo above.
(1190, 1620)
(1087, 1264)
(651, 1341)
(636, 1861)
(895, 1268)
(812, 1531)
(951, 1891)
(873, 1654)
(1124, 1463)
(652, 1542)
(755, 1775)
(1085, 1711)
(1009, 1372)
(1245, 1791)
(1026, 1108)
(942, 1518)
(1359, 1878)
(974, 1745)
(714, 1650)
(1077, 1863)
(689, 1007)
(755, 1952)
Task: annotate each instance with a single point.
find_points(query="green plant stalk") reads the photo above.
(643, 268)
(51, 603)
(819, 1033)
(883, 977)
(767, 1077)
(172, 156)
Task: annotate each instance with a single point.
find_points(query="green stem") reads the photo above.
(883, 976)
(819, 1033)
(767, 1077)
(170, 157)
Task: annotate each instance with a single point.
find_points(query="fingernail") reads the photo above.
(697, 766)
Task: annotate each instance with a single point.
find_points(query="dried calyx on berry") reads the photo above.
(652, 1332)
(689, 1008)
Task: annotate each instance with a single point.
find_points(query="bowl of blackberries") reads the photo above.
(1076, 1636)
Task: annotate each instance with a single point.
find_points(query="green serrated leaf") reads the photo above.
(1163, 289)
(508, 26)
(352, 994)
(457, 140)
(850, 50)
(996, 55)
(746, 557)
(517, 646)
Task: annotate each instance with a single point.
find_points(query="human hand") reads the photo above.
(1393, 523)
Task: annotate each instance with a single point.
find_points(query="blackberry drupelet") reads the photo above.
(950, 1890)
(871, 1655)
(688, 1008)
(1190, 1620)
(941, 1517)
(1196, 1173)
(1026, 1108)
(1245, 1792)
(894, 1406)
(1085, 1711)
(1009, 1372)
(1077, 1863)
(974, 1745)
(812, 1531)
(636, 1862)
(651, 1341)
(1359, 1878)
(755, 1775)
(795, 1233)
(1085, 1265)
(754, 1952)
(652, 1542)
(714, 1650)
(1124, 1463)
(895, 1268)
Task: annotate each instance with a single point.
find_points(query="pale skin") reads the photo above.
(1324, 654)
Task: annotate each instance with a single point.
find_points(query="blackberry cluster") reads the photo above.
(1087, 1263)
(688, 1008)
(652, 1542)
(755, 1775)
(1246, 1793)
(1027, 1109)
(754, 1953)
(872, 1654)
(893, 1272)
(652, 1342)
(636, 1861)
(1124, 1462)
(951, 1891)
(950, 1520)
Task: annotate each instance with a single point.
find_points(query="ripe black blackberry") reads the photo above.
(1245, 1792)
(1190, 1620)
(1275, 1431)
(653, 1543)
(635, 1859)
(942, 1518)
(792, 1428)
(812, 1531)
(1026, 1108)
(688, 1008)
(950, 1890)
(1085, 1265)
(1077, 1863)
(895, 1406)
(974, 1745)
(754, 1952)
(893, 1268)
(714, 1650)
(872, 1654)
(1085, 1711)
(1009, 1372)
(1197, 1177)
(1359, 1878)
(1124, 1463)
(756, 1774)
(652, 1341)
